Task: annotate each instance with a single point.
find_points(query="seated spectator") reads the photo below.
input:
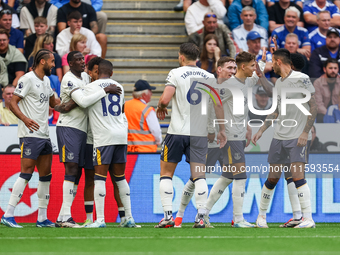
(240, 33)
(292, 15)
(16, 37)
(327, 88)
(277, 11)
(254, 46)
(322, 54)
(310, 10)
(89, 20)
(292, 45)
(75, 21)
(210, 54)
(318, 36)
(333, 113)
(6, 116)
(196, 12)
(235, 10)
(78, 43)
(144, 132)
(40, 26)
(13, 58)
(316, 145)
(35, 9)
(270, 3)
(261, 101)
(15, 17)
(46, 42)
(220, 30)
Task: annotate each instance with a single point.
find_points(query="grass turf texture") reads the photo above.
(324, 239)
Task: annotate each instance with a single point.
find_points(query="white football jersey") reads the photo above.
(184, 114)
(293, 80)
(35, 96)
(106, 117)
(76, 118)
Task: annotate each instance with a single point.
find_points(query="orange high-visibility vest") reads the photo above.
(140, 138)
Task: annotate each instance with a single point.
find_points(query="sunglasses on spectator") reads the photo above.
(6, 12)
(210, 15)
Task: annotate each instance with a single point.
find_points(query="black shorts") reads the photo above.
(107, 155)
(194, 148)
(33, 147)
(89, 157)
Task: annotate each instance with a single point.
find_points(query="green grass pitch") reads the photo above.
(324, 239)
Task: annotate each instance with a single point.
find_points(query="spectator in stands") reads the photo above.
(292, 45)
(333, 113)
(6, 116)
(46, 42)
(220, 30)
(276, 14)
(89, 20)
(235, 10)
(291, 19)
(35, 9)
(318, 36)
(327, 88)
(13, 58)
(210, 54)
(316, 145)
(16, 37)
(270, 3)
(40, 26)
(197, 11)
(310, 10)
(240, 33)
(322, 54)
(78, 43)
(144, 132)
(75, 21)
(15, 18)
(261, 101)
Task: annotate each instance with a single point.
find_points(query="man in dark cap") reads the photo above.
(144, 134)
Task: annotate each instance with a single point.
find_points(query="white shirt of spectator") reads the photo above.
(35, 97)
(195, 14)
(27, 20)
(77, 118)
(64, 40)
(294, 80)
(240, 35)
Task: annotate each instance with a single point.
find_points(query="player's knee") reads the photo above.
(101, 38)
(71, 168)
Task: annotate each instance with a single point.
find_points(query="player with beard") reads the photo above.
(35, 96)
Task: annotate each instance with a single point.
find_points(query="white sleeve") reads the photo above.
(190, 22)
(154, 127)
(84, 100)
(218, 8)
(171, 79)
(24, 24)
(307, 84)
(62, 44)
(23, 87)
(15, 21)
(95, 47)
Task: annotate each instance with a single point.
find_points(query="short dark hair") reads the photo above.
(283, 55)
(105, 67)
(224, 60)
(330, 60)
(297, 61)
(5, 12)
(41, 54)
(244, 57)
(40, 20)
(70, 56)
(74, 15)
(94, 61)
(189, 50)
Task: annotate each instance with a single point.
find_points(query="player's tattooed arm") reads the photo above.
(94, 27)
(66, 107)
(266, 85)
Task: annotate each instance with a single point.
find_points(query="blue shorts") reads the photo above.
(33, 147)
(214, 155)
(71, 144)
(233, 152)
(194, 148)
(107, 155)
(89, 157)
(287, 151)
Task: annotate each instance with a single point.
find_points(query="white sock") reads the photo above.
(216, 191)
(304, 197)
(238, 192)
(294, 200)
(124, 194)
(17, 191)
(187, 193)
(67, 200)
(266, 196)
(75, 188)
(201, 195)
(99, 198)
(43, 198)
(166, 192)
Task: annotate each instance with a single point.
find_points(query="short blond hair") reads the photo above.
(75, 39)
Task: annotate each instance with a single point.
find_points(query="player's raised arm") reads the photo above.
(164, 101)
